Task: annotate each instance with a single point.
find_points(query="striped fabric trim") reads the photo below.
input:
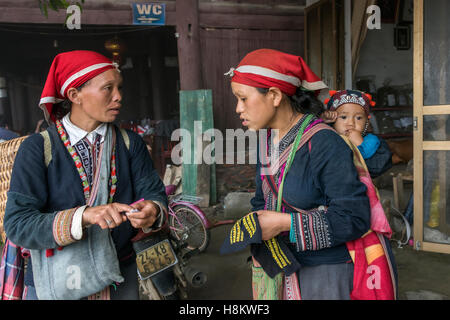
(261, 71)
(311, 230)
(82, 73)
(62, 225)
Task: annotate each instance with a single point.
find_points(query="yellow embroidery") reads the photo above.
(253, 222)
(238, 233)
(278, 248)
(244, 220)
(232, 233)
(275, 257)
(277, 251)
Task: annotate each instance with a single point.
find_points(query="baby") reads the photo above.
(349, 111)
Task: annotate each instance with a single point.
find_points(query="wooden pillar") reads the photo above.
(140, 64)
(157, 76)
(5, 111)
(189, 57)
(18, 106)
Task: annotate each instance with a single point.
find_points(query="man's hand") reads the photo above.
(146, 216)
(106, 216)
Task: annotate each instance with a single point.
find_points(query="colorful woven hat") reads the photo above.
(71, 69)
(338, 98)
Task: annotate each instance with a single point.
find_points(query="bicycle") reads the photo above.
(187, 222)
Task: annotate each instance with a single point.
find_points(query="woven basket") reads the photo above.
(8, 151)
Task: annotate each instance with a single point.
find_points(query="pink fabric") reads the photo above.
(378, 220)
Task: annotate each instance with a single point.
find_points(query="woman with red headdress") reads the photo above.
(72, 186)
(310, 203)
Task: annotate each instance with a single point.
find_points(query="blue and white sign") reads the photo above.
(149, 14)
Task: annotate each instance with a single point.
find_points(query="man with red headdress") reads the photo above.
(72, 184)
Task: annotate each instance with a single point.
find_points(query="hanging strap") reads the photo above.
(47, 147)
(291, 156)
(126, 138)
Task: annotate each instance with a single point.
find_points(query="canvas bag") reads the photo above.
(86, 266)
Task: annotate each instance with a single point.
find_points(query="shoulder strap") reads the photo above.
(270, 182)
(125, 137)
(47, 147)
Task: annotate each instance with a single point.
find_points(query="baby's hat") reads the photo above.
(338, 98)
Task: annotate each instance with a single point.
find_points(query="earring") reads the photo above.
(365, 129)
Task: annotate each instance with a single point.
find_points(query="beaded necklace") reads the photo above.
(78, 164)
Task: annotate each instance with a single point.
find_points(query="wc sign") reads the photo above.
(149, 14)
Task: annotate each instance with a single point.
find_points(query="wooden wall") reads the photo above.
(227, 29)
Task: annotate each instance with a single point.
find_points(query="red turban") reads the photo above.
(70, 70)
(265, 68)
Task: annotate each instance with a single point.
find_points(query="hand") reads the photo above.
(273, 223)
(329, 116)
(106, 216)
(354, 136)
(146, 216)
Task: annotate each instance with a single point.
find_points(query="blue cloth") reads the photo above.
(381, 161)
(6, 134)
(325, 176)
(369, 146)
(37, 193)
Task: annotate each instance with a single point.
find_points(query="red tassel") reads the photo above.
(326, 101)
(332, 92)
(60, 248)
(373, 103)
(368, 96)
(49, 253)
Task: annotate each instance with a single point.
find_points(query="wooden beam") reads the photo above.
(88, 16)
(189, 57)
(436, 247)
(251, 21)
(418, 134)
(436, 110)
(436, 145)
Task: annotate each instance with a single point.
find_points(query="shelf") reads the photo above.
(392, 108)
(395, 135)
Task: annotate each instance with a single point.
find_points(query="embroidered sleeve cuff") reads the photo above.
(62, 225)
(310, 231)
(158, 223)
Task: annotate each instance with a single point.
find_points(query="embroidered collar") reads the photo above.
(76, 134)
(289, 137)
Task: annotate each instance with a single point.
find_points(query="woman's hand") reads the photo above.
(146, 216)
(273, 223)
(106, 216)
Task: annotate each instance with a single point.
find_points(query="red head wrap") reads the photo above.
(265, 68)
(70, 70)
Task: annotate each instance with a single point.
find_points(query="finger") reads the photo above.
(142, 223)
(144, 214)
(102, 224)
(116, 217)
(121, 207)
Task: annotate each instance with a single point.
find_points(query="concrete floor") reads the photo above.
(422, 275)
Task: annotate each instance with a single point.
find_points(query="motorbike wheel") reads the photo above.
(188, 226)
